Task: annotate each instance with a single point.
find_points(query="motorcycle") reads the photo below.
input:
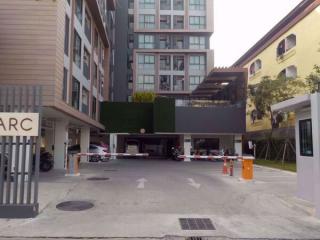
(46, 161)
(175, 153)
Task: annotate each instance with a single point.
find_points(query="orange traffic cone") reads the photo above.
(225, 167)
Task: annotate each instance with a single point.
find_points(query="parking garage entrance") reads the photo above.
(157, 146)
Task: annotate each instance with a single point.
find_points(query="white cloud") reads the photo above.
(239, 24)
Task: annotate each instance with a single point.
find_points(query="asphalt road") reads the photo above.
(146, 198)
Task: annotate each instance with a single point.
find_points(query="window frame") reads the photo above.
(308, 141)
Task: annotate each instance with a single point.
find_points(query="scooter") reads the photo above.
(175, 153)
(46, 161)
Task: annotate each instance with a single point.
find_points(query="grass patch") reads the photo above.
(277, 164)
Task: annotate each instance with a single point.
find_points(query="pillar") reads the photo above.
(238, 145)
(113, 144)
(84, 142)
(60, 143)
(187, 146)
(315, 116)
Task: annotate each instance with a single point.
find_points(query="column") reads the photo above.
(84, 142)
(187, 146)
(60, 143)
(113, 144)
(238, 144)
(315, 116)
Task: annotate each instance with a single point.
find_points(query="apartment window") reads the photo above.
(178, 4)
(95, 76)
(147, 21)
(87, 26)
(165, 62)
(197, 5)
(286, 44)
(305, 137)
(85, 101)
(194, 82)
(197, 22)
(96, 41)
(178, 83)
(165, 21)
(165, 4)
(131, 21)
(146, 41)
(78, 10)
(178, 63)
(197, 42)
(146, 62)
(94, 108)
(145, 83)
(165, 82)
(86, 64)
(197, 63)
(77, 49)
(147, 4)
(131, 41)
(101, 77)
(164, 42)
(131, 4)
(255, 67)
(66, 35)
(289, 73)
(178, 22)
(65, 85)
(178, 42)
(75, 93)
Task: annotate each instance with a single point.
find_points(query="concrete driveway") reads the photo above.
(146, 198)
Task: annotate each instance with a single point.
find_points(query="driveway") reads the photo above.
(146, 198)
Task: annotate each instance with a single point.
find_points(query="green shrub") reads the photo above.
(144, 97)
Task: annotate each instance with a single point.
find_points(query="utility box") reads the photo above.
(247, 169)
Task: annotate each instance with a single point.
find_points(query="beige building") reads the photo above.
(64, 46)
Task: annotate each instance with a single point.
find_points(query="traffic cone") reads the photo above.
(225, 167)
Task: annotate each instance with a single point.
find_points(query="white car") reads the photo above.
(99, 150)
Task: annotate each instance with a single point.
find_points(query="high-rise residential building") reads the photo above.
(66, 47)
(162, 46)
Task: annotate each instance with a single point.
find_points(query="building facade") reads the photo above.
(66, 47)
(290, 49)
(162, 46)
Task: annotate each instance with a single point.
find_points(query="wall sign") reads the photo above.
(19, 124)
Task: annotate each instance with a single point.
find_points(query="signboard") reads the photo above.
(19, 124)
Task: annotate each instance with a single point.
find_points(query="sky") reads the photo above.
(239, 24)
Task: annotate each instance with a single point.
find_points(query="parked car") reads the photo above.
(93, 148)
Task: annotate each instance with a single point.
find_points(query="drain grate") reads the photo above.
(194, 238)
(196, 224)
(74, 206)
(98, 179)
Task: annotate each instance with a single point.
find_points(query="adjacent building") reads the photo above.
(290, 49)
(66, 47)
(162, 46)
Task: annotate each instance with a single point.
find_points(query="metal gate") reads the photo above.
(19, 154)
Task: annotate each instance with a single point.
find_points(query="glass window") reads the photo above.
(178, 63)
(147, 21)
(165, 62)
(164, 42)
(178, 42)
(86, 64)
(178, 83)
(94, 108)
(78, 10)
(75, 93)
(66, 36)
(131, 4)
(65, 85)
(96, 41)
(197, 42)
(197, 22)
(178, 22)
(147, 4)
(85, 101)
(178, 4)
(146, 62)
(165, 4)
(130, 41)
(197, 5)
(146, 41)
(165, 21)
(197, 63)
(95, 77)
(305, 137)
(195, 81)
(87, 26)
(165, 82)
(145, 83)
(77, 49)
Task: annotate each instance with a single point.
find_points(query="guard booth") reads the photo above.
(20, 120)
(307, 134)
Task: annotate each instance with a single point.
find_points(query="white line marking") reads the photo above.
(193, 183)
(141, 183)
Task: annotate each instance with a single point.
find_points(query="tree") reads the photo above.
(313, 80)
